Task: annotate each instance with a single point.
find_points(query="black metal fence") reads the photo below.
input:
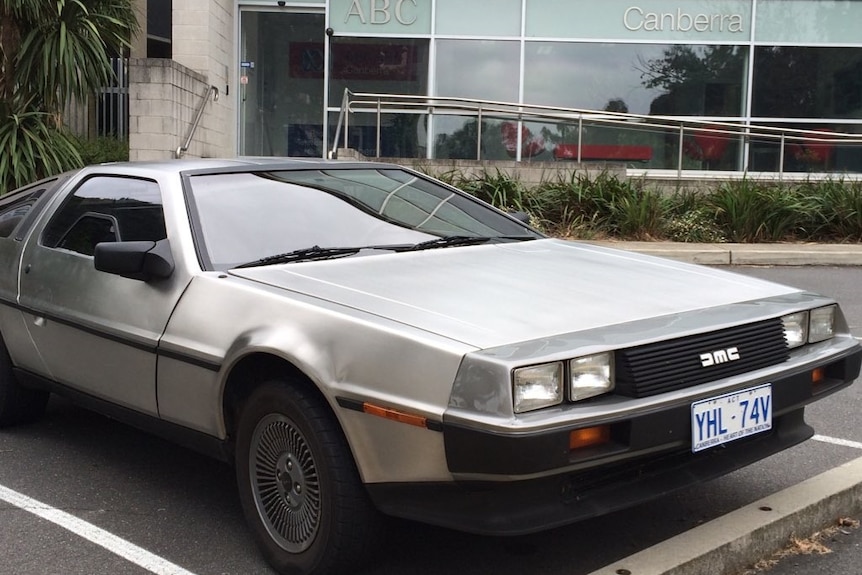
(112, 103)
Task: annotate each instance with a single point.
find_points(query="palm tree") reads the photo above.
(50, 52)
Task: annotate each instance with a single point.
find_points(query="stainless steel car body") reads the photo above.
(434, 334)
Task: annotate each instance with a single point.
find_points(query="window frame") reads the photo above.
(58, 228)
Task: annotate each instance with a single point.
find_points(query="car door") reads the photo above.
(18, 211)
(98, 332)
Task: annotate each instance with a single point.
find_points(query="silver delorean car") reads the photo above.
(361, 340)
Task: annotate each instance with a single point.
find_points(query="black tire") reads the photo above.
(299, 487)
(18, 404)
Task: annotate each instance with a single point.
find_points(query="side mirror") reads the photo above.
(142, 261)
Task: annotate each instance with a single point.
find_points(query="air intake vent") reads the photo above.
(677, 364)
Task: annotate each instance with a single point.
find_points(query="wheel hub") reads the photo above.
(291, 481)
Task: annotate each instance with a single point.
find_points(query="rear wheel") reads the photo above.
(18, 404)
(299, 487)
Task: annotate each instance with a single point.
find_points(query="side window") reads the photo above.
(12, 214)
(89, 230)
(15, 206)
(20, 208)
(107, 209)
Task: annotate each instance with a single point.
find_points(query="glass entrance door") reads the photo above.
(281, 84)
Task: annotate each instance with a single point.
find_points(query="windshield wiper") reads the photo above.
(316, 253)
(304, 255)
(452, 241)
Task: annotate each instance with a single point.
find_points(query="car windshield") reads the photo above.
(254, 218)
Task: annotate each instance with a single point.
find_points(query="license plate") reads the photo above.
(717, 420)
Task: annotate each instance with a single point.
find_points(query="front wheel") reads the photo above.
(18, 404)
(299, 487)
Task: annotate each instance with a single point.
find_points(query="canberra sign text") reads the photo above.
(637, 19)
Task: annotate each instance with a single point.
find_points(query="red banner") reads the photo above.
(384, 62)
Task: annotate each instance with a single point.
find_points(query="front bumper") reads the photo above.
(519, 507)
(511, 484)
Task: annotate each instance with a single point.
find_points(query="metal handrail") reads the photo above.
(342, 120)
(212, 90)
(360, 102)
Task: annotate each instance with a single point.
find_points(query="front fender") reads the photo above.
(346, 353)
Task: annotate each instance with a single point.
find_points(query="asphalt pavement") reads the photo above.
(182, 507)
(834, 552)
(731, 543)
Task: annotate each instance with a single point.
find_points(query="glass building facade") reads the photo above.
(781, 63)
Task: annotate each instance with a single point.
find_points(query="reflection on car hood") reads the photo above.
(499, 294)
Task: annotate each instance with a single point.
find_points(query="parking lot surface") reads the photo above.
(182, 508)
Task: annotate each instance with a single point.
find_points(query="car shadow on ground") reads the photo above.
(185, 506)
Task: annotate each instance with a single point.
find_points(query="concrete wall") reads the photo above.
(533, 173)
(164, 97)
(139, 40)
(529, 173)
(203, 41)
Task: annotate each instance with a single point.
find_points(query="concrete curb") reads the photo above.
(737, 540)
(748, 254)
(812, 255)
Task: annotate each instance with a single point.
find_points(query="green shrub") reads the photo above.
(602, 206)
(561, 206)
(839, 213)
(498, 189)
(102, 149)
(694, 226)
(636, 213)
(749, 211)
(501, 191)
(739, 211)
(32, 148)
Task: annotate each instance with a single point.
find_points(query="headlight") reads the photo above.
(796, 328)
(822, 324)
(590, 376)
(538, 386)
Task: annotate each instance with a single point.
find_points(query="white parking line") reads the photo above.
(114, 544)
(836, 441)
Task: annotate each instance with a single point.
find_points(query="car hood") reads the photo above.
(498, 294)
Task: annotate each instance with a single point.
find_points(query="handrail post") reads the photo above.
(346, 127)
(479, 134)
(679, 153)
(519, 138)
(781, 159)
(429, 134)
(181, 150)
(379, 121)
(580, 135)
(343, 116)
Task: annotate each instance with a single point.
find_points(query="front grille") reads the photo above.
(676, 364)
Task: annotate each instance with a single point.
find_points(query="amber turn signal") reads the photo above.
(589, 436)
(394, 415)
